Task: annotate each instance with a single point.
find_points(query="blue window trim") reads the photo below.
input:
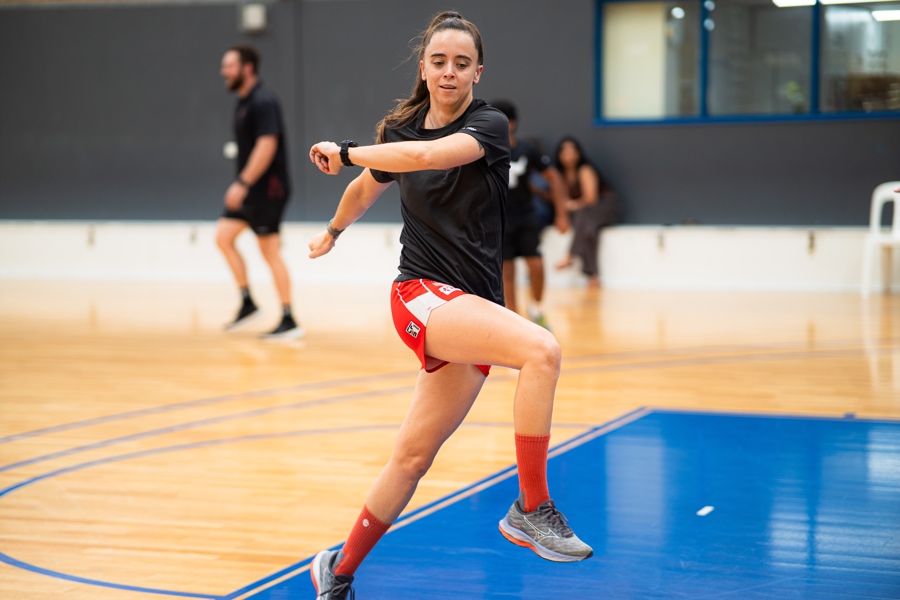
(814, 113)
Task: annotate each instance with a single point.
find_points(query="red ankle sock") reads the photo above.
(531, 457)
(363, 537)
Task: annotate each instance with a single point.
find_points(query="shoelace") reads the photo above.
(556, 519)
(341, 590)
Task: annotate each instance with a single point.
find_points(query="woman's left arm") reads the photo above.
(590, 185)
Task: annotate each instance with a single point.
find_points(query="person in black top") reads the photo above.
(449, 153)
(522, 236)
(261, 188)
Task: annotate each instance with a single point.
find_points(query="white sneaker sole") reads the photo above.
(317, 562)
(285, 336)
(520, 538)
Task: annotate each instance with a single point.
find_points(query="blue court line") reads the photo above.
(201, 402)
(128, 588)
(616, 367)
(140, 454)
(688, 568)
(201, 422)
(5, 558)
(453, 497)
(362, 379)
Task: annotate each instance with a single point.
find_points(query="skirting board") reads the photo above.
(631, 257)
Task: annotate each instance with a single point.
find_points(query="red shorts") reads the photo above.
(411, 304)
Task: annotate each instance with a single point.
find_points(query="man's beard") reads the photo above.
(236, 83)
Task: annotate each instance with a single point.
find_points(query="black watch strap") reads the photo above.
(345, 155)
(334, 233)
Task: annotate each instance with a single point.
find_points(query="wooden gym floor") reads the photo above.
(144, 453)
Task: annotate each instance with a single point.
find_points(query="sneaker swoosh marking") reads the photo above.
(541, 533)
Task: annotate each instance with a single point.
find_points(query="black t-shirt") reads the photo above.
(257, 115)
(525, 159)
(453, 219)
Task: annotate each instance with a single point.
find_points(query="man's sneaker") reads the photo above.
(538, 318)
(247, 314)
(542, 321)
(328, 585)
(545, 531)
(286, 330)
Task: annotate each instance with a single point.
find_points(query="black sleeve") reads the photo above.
(381, 176)
(266, 119)
(491, 128)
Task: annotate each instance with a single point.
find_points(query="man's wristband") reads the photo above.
(345, 152)
(242, 182)
(334, 233)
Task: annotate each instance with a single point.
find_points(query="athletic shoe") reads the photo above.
(286, 330)
(247, 314)
(328, 585)
(546, 531)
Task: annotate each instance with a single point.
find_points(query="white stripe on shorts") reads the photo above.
(421, 306)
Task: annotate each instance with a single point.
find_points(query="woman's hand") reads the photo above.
(327, 157)
(321, 244)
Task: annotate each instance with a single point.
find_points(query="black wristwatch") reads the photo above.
(345, 156)
(334, 233)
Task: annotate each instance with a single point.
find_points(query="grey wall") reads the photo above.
(119, 113)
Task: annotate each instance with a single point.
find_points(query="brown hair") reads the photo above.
(248, 54)
(407, 108)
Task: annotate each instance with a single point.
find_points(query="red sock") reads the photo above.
(531, 457)
(363, 537)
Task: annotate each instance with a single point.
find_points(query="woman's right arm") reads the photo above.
(360, 194)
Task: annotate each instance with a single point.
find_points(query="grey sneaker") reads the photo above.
(328, 585)
(545, 531)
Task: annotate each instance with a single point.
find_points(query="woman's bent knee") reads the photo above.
(547, 351)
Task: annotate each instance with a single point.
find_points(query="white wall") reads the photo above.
(631, 257)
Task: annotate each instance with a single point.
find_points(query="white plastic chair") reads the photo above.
(877, 238)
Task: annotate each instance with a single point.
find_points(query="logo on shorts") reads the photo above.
(412, 329)
(447, 289)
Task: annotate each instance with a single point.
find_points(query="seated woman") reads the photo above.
(593, 204)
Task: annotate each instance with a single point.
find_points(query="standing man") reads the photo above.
(522, 234)
(259, 193)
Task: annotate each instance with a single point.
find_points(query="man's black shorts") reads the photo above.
(522, 238)
(264, 217)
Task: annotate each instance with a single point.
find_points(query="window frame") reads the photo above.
(703, 115)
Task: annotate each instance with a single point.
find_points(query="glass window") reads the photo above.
(650, 59)
(721, 59)
(860, 57)
(759, 58)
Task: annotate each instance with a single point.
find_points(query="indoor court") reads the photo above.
(726, 424)
(706, 444)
